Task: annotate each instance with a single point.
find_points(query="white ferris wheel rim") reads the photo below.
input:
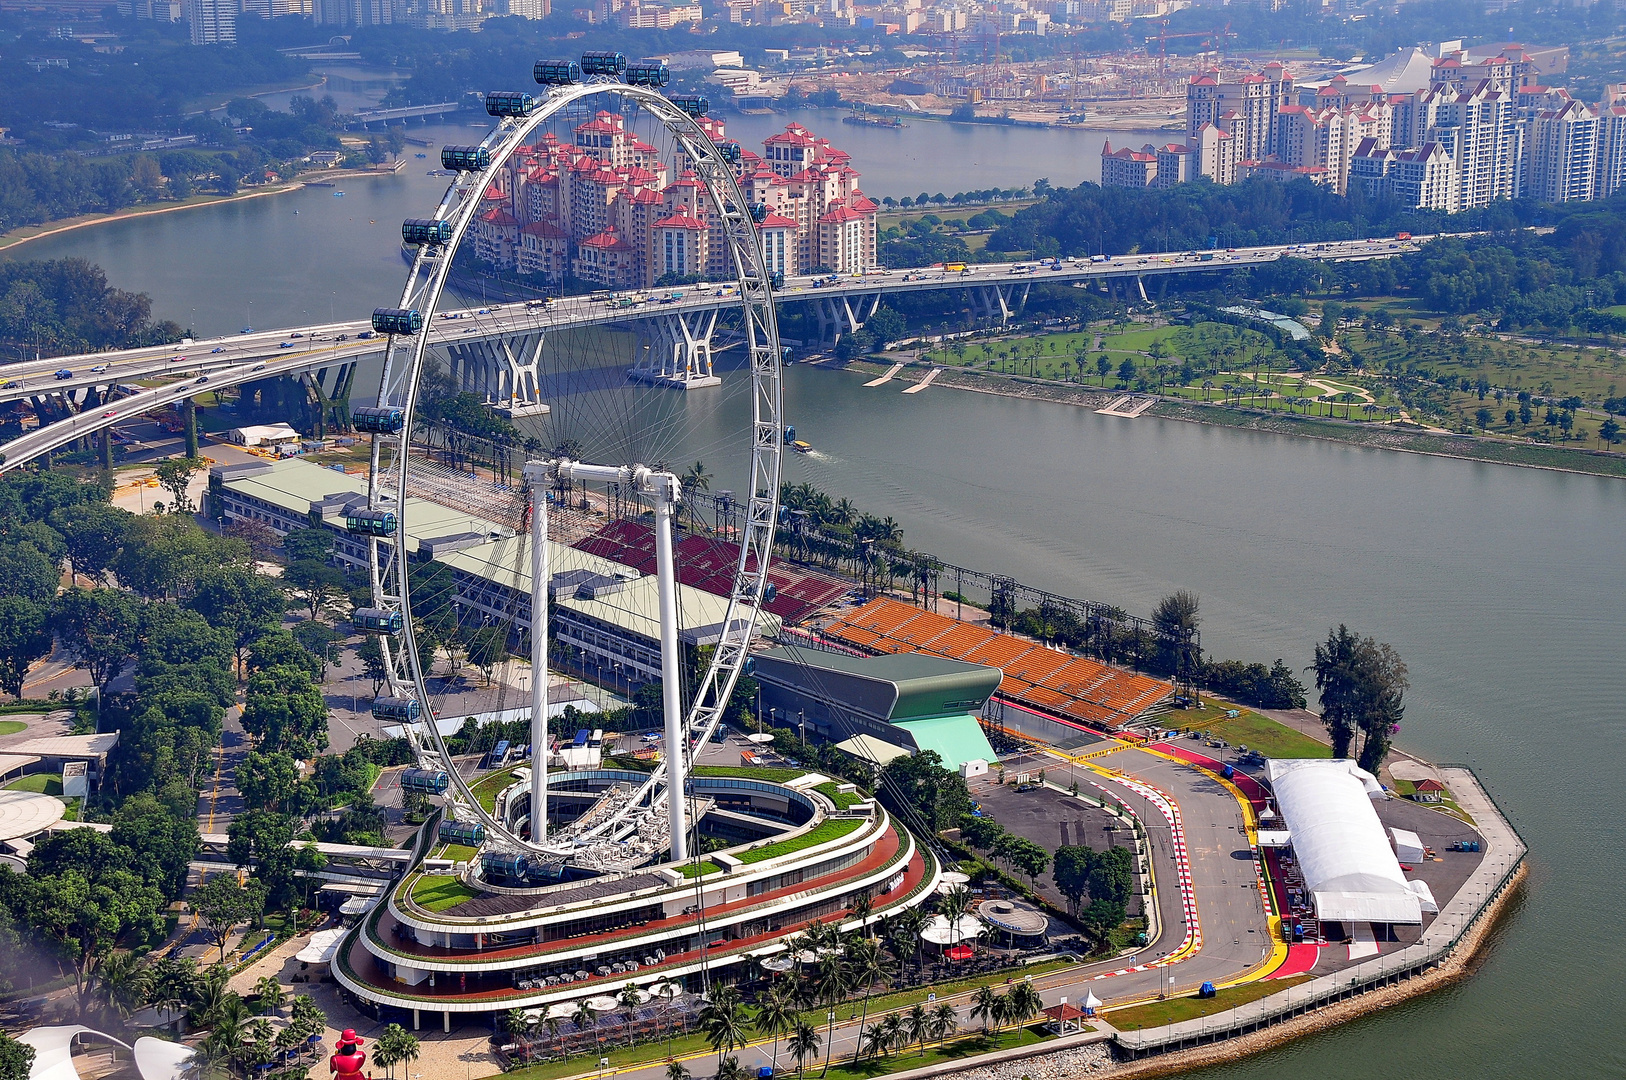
(403, 369)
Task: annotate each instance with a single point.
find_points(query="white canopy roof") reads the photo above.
(1340, 843)
(939, 931)
(53, 1050)
(323, 944)
(160, 1059)
(1425, 896)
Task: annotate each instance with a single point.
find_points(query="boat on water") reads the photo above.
(801, 446)
(861, 120)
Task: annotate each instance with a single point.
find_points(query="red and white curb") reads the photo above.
(1193, 941)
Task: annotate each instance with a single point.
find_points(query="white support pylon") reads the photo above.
(666, 497)
(539, 658)
(664, 488)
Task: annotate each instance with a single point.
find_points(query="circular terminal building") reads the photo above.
(480, 931)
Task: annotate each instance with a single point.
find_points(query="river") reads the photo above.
(1500, 586)
(305, 255)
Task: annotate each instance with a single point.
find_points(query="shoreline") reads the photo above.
(1170, 408)
(1463, 962)
(12, 240)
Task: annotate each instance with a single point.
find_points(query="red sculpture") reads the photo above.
(348, 1059)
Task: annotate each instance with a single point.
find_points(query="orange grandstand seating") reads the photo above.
(999, 651)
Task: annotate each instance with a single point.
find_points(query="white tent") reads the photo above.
(1340, 844)
(1425, 897)
(1408, 845)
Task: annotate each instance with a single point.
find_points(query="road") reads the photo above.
(335, 341)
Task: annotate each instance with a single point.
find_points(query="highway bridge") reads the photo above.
(494, 351)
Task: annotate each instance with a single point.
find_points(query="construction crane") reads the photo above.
(1163, 37)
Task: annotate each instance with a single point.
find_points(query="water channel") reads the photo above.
(1499, 586)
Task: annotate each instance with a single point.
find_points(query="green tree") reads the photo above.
(317, 583)
(93, 533)
(487, 647)
(302, 544)
(28, 572)
(371, 654)
(269, 781)
(25, 636)
(16, 1058)
(241, 603)
(99, 629)
(285, 710)
(222, 903)
(175, 476)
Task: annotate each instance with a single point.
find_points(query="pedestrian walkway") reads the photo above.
(931, 377)
(888, 377)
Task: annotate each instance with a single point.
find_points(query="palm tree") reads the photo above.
(917, 1024)
(861, 907)
(945, 1022)
(904, 934)
(1002, 1011)
(803, 1044)
(729, 1069)
(892, 1034)
(775, 1015)
(629, 1000)
(1025, 1003)
(723, 1022)
(210, 1061)
(123, 984)
(832, 982)
(985, 1006)
(872, 1040)
(868, 965)
(676, 1070)
(585, 1018)
(268, 991)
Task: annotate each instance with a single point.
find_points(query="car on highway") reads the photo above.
(342, 337)
(286, 345)
(64, 374)
(200, 379)
(98, 369)
(109, 414)
(216, 349)
(12, 385)
(297, 335)
(257, 367)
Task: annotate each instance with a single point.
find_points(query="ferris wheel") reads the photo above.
(494, 482)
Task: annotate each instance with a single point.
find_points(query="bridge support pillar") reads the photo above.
(1140, 283)
(839, 315)
(189, 414)
(105, 446)
(997, 303)
(504, 372)
(675, 351)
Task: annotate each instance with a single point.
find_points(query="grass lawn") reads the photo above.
(828, 830)
(12, 727)
(434, 892)
(1250, 729)
(487, 787)
(842, 799)
(936, 1055)
(1157, 1013)
(902, 999)
(750, 772)
(44, 783)
(623, 1058)
(690, 870)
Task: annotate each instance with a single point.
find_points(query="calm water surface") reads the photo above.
(1501, 587)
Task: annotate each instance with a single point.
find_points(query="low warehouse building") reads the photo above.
(910, 701)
